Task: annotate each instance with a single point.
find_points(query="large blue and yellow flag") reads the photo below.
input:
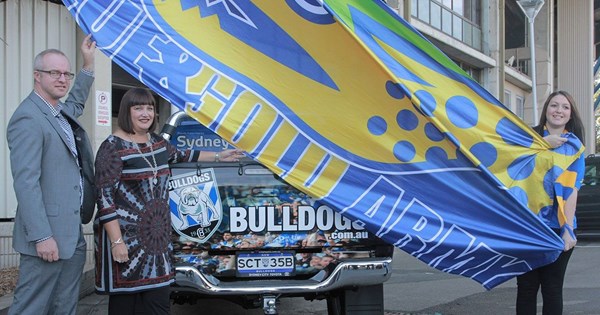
(347, 102)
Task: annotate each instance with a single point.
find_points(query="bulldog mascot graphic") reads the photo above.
(196, 204)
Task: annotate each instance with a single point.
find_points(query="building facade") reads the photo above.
(490, 40)
(487, 38)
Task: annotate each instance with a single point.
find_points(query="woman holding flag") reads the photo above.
(561, 126)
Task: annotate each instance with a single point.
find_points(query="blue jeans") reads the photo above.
(550, 278)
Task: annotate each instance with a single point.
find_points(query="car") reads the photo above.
(588, 200)
(242, 233)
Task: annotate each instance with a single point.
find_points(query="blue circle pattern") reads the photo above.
(394, 90)
(569, 149)
(404, 151)
(427, 102)
(520, 194)
(436, 154)
(485, 152)
(512, 134)
(433, 133)
(549, 180)
(521, 167)
(377, 125)
(407, 120)
(462, 112)
(545, 212)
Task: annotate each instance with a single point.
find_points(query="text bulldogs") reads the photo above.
(268, 219)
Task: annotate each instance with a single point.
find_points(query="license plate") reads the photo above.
(265, 264)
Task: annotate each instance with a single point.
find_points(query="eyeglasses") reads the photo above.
(56, 74)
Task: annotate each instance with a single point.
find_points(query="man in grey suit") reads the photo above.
(50, 159)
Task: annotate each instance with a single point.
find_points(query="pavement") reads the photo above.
(414, 289)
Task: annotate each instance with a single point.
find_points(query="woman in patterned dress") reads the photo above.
(132, 227)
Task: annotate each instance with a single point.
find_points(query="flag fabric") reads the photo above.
(347, 102)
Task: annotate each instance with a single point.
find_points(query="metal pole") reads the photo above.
(531, 8)
(533, 73)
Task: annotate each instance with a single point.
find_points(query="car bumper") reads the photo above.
(358, 272)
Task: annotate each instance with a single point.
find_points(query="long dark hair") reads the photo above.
(135, 96)
(574, 125)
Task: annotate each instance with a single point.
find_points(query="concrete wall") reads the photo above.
(575, 59)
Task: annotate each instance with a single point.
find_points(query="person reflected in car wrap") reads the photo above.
(559, 121)
(132, 227)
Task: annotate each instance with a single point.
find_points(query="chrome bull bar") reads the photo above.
(348, 273)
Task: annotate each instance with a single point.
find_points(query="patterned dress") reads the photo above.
(127, 193)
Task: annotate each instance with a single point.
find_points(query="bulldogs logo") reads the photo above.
(194, 213)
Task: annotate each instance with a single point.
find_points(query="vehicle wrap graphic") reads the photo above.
(196, 209)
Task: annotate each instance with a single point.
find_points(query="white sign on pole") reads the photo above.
(103, 108)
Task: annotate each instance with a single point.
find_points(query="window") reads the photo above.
(507, 99)
(423, 11)
(520, 107)
(467, 9)
(436, 15)
(591, 174)
(447, 21)
(457, 18)
(474, 73)
(457, 27)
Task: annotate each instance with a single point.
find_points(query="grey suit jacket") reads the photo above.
(45, 173)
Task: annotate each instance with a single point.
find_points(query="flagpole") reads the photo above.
(533, 73)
